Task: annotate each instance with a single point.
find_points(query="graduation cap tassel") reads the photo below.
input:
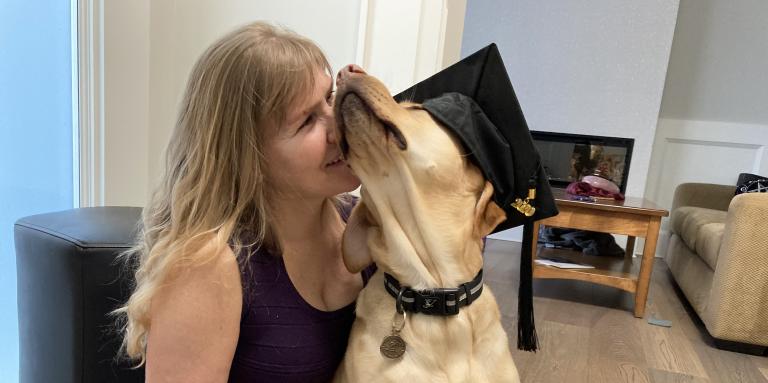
(526, 328)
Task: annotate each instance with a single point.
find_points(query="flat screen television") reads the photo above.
(568, 157)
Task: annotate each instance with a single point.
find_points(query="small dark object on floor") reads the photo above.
(659, 322)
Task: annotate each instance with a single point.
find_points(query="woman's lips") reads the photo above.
(338, 161)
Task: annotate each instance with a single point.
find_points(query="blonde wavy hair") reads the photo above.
(213, 181)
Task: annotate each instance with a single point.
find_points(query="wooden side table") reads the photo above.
(634, 217)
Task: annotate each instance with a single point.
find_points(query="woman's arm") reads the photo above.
(195, 321)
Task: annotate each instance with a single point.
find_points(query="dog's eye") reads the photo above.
(396, 135)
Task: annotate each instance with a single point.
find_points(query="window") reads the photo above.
(38, 151)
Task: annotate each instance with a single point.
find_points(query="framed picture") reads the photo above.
(569, 157)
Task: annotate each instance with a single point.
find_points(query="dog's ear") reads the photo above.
(487, 213)
(354, 245)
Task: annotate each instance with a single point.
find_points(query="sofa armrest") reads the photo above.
(739, 298)
(709, 196)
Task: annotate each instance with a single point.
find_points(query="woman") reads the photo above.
(239, 272)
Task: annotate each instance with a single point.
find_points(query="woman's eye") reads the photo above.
(308, 121)
(329, 98)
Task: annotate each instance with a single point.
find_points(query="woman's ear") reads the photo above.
(354, 245)
(488, 214)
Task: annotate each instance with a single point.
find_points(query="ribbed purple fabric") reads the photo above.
(282, 337)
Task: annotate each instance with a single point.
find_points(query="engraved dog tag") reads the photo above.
(393, 346)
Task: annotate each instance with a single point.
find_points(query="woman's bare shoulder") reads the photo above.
(195, 317)
(211, 260)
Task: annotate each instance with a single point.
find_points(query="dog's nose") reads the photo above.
(347, 71)
(352, 68)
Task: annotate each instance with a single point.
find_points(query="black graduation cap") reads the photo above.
(475, 99)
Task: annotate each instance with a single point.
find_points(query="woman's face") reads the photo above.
(303, 155)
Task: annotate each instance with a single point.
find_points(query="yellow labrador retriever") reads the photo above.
(422, 216)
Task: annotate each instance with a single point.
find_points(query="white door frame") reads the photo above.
(405, 41)
(89, 135)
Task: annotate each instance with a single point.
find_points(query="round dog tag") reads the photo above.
(392, 347)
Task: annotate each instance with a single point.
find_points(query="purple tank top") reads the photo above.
(282, 337)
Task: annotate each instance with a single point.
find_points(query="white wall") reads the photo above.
(702, 151)
(126, 103)
(714, 114)
(718, 68)
(150, 47)
(180, 32)
(594, 67)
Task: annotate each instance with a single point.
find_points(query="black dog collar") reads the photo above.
(442, 301)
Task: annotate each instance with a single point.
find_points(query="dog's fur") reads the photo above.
(423, 213)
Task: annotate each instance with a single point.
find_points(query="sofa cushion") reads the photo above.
(688, 221)
(708, 242)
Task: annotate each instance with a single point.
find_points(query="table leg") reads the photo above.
(646, 267)
(630, 247)
(534, 243)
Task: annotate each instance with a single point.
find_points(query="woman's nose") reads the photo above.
(332, 132)
(331, 128)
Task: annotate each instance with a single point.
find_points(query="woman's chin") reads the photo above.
(344, 177)
(349, 183)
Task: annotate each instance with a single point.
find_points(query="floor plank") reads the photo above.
(617, 372)
(666, 349)
(616, 349)
(556, 362)
(659, 376)
(765, 373)
(587, 332)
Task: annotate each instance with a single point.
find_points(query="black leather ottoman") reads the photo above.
(68, 281)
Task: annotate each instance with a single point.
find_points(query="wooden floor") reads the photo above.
(587, 332)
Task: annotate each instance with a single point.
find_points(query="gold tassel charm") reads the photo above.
(524, 206)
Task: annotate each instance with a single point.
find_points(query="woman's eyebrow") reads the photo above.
(319, 102)
(304, 112)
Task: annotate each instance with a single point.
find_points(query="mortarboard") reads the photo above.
(475, 100)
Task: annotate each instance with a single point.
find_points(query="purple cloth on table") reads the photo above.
(282, 337)
(583, 188)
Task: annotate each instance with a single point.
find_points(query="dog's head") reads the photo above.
(425, 207)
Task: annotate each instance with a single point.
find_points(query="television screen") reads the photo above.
(569, 157)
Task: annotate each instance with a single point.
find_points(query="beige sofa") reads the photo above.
(718, 255)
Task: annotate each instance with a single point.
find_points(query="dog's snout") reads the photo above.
(346, 72)
(351, 68)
